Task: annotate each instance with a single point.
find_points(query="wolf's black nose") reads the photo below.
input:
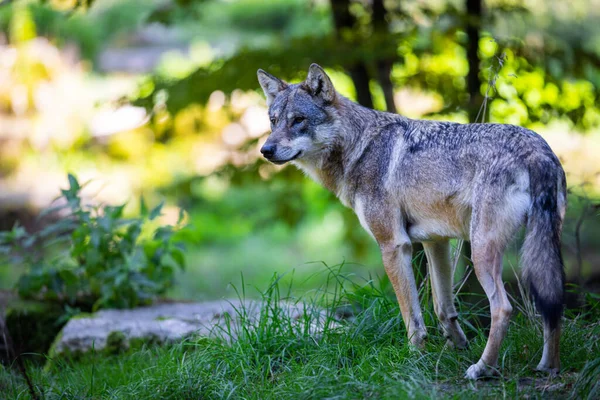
(268, 150)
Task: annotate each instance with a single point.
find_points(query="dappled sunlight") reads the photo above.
(42, 95)
(416, 103)
(109, 121)
(579, 153)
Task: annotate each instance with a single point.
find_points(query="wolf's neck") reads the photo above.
(358, 123)
(355, 119)
(355, 126)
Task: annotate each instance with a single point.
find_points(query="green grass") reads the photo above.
(365, 356)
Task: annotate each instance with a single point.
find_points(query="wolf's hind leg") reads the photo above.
(440, 272)
(500, 206)
(487, 260)
(550, 361)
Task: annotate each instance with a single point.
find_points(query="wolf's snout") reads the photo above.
(268, 150)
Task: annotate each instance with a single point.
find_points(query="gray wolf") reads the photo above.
(429, 181)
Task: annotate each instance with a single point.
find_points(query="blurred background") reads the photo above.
(159, 98)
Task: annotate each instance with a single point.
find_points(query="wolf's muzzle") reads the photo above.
(268, 150)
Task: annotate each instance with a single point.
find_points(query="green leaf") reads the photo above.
(57, 228)
(156, 211)
(29, 241)
(120, 279)
(95, 238)
(74, 185)
(164, 234)
(115, 212)
(51, 210)
(68, 276)
(178, 257)
(181, 216)
(18, 232)
(26, 285)
(143, 207)
(151, 247)
(133, 231)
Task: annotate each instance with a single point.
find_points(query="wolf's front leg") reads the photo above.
(385, 224)
(397, 260)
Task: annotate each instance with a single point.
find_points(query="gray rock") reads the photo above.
(171, 322)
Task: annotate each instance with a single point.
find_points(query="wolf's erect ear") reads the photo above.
(270, 85)
(319, 83)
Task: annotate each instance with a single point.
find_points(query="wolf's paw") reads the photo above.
(480, 370)
(454, 334)
(456, 340)
(552, 371)
(460, 345)
(417, 339)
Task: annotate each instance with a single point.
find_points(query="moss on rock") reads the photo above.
(116, 343)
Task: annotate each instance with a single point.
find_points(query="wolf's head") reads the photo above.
(303, 116)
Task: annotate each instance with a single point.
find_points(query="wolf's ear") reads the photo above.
(319, 83)
(270, 85)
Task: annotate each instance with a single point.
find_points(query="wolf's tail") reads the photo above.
(543, 269)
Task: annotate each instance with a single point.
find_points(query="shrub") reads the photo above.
(91, 257)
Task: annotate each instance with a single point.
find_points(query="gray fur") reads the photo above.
(429, 181)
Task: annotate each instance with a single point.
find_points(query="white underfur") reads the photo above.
(518, 196)
(301, 143)
(311, 162)
(395, 160)
(513, 208)
(360, 213)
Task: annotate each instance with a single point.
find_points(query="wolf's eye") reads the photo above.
(298, 120)
(273, 120)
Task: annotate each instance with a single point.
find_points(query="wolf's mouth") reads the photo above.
(280, 162)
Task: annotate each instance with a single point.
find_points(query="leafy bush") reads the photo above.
(92, 257)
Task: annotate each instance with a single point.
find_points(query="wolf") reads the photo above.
(428, 181)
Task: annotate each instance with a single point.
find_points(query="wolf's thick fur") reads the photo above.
(428, 181)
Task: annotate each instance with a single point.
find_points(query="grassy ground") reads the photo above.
(364, 355)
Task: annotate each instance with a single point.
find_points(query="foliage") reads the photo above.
(287, 59)
(108, 262)
(526, 95)
(88, 30)
(363, 354)
(549, 85)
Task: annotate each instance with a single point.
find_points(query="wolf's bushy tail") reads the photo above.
(543, 269)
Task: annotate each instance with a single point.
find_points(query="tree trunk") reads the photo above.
(384, 70)
(360, 78)
(473, 25)
(343, 21)
(384, 66)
